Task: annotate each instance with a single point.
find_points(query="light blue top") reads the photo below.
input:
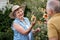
(19, 36)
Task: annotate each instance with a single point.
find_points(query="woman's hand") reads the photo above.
(33, 21)
(37, 30)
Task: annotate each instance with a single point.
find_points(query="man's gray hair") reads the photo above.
(54, 5)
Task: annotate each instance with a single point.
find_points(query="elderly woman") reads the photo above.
(21, 25)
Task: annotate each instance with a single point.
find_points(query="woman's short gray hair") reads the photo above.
(54, 5)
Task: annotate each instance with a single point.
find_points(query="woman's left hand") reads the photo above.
(37, 30)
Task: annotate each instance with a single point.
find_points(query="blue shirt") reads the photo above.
(19, 36)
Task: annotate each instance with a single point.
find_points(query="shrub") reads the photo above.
(5, 23)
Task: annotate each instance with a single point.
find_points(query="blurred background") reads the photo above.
(33, 8)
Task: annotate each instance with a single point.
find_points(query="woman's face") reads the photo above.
(20, 13)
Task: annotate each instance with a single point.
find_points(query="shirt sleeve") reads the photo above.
(15, 21)
(52, 31)
(28, 21)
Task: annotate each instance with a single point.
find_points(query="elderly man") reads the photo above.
(53, 25)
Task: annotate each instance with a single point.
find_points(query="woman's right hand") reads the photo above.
(34, 21)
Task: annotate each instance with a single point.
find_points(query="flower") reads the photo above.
(33, 17)
(45, 16)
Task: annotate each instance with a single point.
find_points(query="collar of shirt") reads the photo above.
(56, 14)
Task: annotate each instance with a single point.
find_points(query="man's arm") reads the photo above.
(53, 38)
(52, 32)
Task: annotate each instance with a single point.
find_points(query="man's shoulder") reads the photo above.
(54, 19)
(50, 20)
